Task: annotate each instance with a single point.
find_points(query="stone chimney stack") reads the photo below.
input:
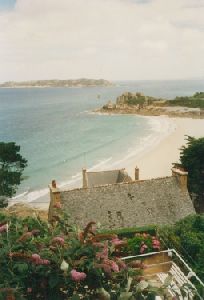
(54, 184)
(85, 178)
(137, 173)
(182, 177)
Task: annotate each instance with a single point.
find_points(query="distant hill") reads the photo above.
(83, 82)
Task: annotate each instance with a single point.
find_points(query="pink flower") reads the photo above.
(121, 264)
(106, 268)
(104, 253)
(117, 242)
(3, 228)
(29, 290)
(155, 243)
(58, 240)
(112, 264)
(58, 205)
(114, 267)
(39, 261)
(77, 276)
(35, 257)
(44, 262)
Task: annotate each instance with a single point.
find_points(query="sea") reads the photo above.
(59, 134)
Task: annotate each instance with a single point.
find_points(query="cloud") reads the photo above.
(114, 39)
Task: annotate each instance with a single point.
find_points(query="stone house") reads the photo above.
(115, 200)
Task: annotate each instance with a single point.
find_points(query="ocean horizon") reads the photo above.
(59, 135)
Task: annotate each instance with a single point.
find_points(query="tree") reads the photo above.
(12, 165)
(192, 160)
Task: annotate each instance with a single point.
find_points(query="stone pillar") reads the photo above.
(137, 173)
(54, 198)
(85, 178)
(182, 178)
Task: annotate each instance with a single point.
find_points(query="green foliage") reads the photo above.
(136, 100)
(135, 243)
(12, 165)
(37, 260)
(192, 160)
(187, 237)
(197, 100)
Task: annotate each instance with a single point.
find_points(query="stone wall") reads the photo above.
(137, 203)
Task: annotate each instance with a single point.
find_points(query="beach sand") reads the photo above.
(158, 161)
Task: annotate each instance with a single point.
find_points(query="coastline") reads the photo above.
(158, 161)
(150, 111)
(116, 146)
(160, 128)
(154, 156)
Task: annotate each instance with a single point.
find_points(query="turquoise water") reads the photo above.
(58, 134)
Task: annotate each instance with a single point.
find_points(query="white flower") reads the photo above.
(64, 266)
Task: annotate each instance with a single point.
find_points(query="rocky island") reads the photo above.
(138, 103)
(83, 82)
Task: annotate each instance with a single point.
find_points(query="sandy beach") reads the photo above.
(158, 161)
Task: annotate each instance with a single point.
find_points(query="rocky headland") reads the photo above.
(83, 82)
(138, 103)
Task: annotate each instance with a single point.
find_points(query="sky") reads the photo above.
(110, 39)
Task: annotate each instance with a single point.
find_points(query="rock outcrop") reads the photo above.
(138, 103)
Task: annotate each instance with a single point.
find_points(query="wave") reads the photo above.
(160, 128)
(42, 196)
(29, 196)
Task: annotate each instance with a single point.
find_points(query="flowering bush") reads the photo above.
(56, 261)
(143, 243)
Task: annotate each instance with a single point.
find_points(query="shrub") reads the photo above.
(57, 261)
(187, 237)
(130, 232)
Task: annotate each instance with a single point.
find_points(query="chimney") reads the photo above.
(54, 199)
(182, 177)
(137, 173)
(85, 178)
(54, 185)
